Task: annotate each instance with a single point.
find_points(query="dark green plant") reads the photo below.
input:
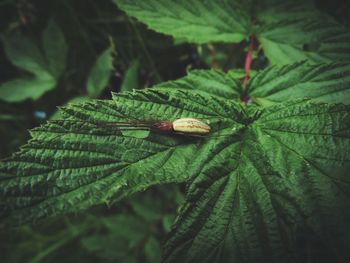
(270, 183)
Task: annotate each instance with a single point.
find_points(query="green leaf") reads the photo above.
(55, 47)
(264, 182)
(73, 164)
(148, 208)
(193, 20)
(130, 80)
(130, 228)
(153, 250)
(207, 82)
(167, 222)
(289, 31)
(21, 89)
(282, 181)
(108, 247)
(23, 53)
(327, 82)
(45, 69)
(57, 115)
(322, 82)
(100, 73)
(9, 117)
(270, 11)
(317, 38)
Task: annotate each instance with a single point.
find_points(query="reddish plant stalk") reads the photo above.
(248, 60)
(247, 66)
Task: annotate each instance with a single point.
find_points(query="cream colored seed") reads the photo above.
(190, 126)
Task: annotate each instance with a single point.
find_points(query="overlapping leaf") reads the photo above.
(322, 82)
(289, 31)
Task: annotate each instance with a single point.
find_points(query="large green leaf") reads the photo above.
(322, 82)
(289, 31)
(73, 164)
(262, 183)
(280, 182)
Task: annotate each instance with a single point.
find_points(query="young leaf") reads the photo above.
(73, 164)
(55, 47)
(100, 73)
(322, 82)
(281, 181)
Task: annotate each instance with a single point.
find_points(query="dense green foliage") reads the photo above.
(288, 31)
(269, 183)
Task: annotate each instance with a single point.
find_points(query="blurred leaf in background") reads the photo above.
(42, 69)
(56, 48)
(100, 73)
(130, 81)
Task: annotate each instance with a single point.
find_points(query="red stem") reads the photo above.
(248, 60)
